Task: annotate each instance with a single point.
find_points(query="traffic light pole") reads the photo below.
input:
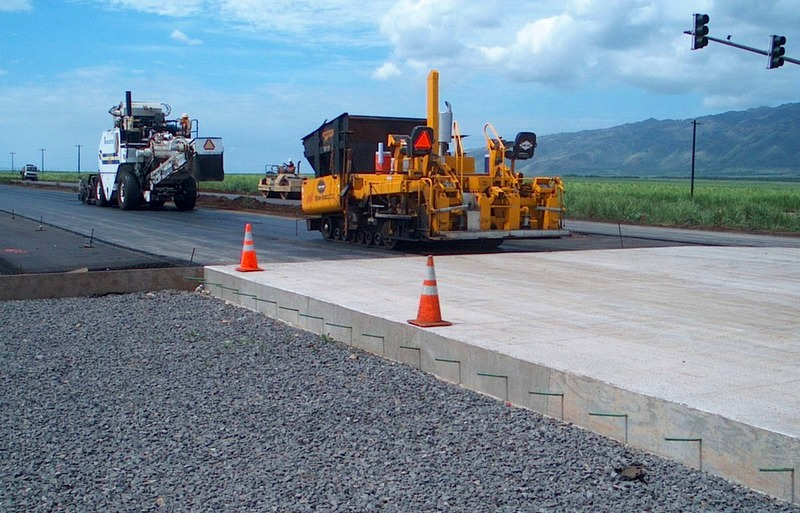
(743, 47)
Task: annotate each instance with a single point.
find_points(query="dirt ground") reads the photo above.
(249, 204)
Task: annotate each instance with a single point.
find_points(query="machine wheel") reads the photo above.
(368, 238)
(360, 236)
(129, 195)
(83, 191)
(337, 233)
(377, 239)
(327, 228)
(188, 198)
(100, 196)
(388, 235)
(285, 194)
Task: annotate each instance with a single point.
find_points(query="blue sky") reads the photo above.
(262, 74)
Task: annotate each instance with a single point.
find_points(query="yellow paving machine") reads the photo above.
(384, 181)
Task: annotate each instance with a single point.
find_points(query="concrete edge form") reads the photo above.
(96, 283)
(736, 451)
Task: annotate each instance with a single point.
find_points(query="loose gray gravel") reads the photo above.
(179, 402)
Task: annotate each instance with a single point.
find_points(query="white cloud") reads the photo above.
(173, 8)
(301, 16)
(304, 22)
(386, 71)
(179, 36)
(581, 44)
(16, 5)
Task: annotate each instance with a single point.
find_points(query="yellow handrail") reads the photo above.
(507, 175)
(459, 153)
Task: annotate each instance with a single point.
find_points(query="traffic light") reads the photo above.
(776, 51)
(700, 31)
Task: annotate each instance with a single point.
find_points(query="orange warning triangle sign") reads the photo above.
(209, 145)
(423, 141)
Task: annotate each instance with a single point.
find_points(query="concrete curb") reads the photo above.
(97, 283)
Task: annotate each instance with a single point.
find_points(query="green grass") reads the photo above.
(8, 176)
(717, 204)
(233, 183)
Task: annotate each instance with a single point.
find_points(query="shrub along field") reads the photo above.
(764, 206)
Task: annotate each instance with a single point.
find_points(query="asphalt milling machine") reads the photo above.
(147, 159)
(386, 181)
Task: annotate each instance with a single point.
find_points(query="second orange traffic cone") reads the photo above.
(249, 261)
(429, 314)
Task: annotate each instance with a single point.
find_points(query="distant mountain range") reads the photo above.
(757, 142)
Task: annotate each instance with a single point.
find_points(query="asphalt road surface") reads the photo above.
(209, 236)
(27, 246)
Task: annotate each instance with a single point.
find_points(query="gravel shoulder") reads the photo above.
(177, 401)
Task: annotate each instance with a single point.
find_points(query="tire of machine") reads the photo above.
(326, 228)
(188, 198)
(389, 238)
(129, 191)
(83, 191)
(100, 195)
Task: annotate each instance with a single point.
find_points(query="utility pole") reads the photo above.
(694, 139)
(42, 150)
(79, 146)
(12, 159)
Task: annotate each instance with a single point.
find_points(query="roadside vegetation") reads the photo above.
(760, 206)
(741, 205)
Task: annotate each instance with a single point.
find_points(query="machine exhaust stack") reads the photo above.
(128, 104)
(446, 129)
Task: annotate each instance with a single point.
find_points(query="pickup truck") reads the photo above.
(29, 172)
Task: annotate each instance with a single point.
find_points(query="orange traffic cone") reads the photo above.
(428, 314)
(249, 260)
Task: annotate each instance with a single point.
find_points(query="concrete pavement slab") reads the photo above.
(688, 341)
